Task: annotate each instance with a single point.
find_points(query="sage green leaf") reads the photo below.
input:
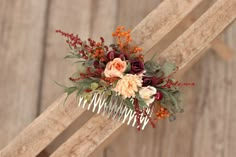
(129, 103)
(161, 84)
(86, 82)
(70, 90)
(141, 102)
(128, 67)
(72, 56)
(168, 68)
(79, 61)
(151, 67)
(89, 62)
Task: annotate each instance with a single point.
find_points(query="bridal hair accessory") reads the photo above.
(116, 81)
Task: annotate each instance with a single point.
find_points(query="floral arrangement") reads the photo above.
(120, 70)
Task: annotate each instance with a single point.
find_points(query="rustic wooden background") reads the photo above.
(31, 58)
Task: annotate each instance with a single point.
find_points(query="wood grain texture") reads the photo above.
(203, 130)
(168, 15)
(87, 139)
(33, 139)
(228, 144)
(204, 31)
(131, 13)
(22, 33)
(218, 45)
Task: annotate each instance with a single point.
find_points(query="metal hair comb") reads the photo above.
(115, 109)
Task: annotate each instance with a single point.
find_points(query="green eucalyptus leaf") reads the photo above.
(89, 62)
(161, 84)
(72, 56)
(151, 67)
(141, 102)
(79, 91)
(171, 100)
(168, 68)
(70, 90)
(129, 103)
(128, 67)
(86, 82)
(79, 61)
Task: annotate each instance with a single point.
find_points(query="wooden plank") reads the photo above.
(218, 45)
(211, 28)
(196, 59)
(203, 35)
(131, 12)
(229, 99)
(168, 15)
(101, 24)
(86, 142)
(180, 27)
(44, 129)
(22, 33)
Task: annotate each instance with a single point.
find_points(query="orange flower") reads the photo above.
(98, 53)
(137, 49)
(123, 37)
(115, 68)
(161, 112)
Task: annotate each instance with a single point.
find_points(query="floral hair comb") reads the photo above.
(116, 81)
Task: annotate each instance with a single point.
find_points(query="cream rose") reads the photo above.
(128, 85)
(146, 93)
(115, 68)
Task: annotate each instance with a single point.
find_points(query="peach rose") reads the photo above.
(115, 68)
(128, 85)
(147, 94)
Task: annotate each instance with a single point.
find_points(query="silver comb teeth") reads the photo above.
(113, 108)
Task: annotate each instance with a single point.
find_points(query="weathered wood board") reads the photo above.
(205, 129)
(22, 25)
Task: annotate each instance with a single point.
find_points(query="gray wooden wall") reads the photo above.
(31, 58)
